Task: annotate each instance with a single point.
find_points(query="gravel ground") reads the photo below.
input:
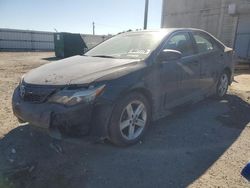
(204, 145)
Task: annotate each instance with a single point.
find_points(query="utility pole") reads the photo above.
(146, 14)
(93, 28)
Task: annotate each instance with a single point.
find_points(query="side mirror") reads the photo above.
(169, 55)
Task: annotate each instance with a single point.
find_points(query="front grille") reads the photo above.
(36, 98)
(35, 94)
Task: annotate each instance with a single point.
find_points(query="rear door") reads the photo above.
(211, 59)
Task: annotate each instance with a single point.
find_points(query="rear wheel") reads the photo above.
(129, 120)
(223, 84)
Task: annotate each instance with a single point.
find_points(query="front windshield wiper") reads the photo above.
(103, 56)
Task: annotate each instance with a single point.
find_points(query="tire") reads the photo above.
(130, 119)
(222, 85)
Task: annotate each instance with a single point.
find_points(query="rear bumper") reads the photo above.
(53, 116)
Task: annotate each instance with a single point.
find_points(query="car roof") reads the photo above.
(167, 30)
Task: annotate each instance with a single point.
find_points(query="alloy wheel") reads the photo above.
(133, 120)
(223, 85)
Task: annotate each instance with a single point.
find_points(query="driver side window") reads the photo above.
(181, 42)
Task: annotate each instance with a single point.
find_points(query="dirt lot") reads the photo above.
(204, 145)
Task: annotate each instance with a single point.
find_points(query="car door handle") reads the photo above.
(194, 62)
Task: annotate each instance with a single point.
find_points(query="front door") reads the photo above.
(186, 71)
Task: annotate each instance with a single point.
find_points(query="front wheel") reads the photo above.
(129, 120)
(223, 84)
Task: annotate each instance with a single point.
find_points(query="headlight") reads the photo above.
(73, 97)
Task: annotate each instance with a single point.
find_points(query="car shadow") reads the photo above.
(242, 71)
(52, 58)
(176, 151)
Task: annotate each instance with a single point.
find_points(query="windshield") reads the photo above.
(128, 46)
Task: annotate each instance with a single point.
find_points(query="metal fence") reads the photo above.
(26, 40)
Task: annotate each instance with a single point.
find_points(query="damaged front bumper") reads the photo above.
(52, 116)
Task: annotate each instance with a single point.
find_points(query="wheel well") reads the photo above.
(145, 93)
(229, 73)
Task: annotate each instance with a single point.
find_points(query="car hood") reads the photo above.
(77, 70)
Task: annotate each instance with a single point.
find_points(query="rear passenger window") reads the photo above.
(203, 43)
(181, 42)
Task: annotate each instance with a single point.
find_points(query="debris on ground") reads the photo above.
(56, 147)
(11, 160)
(20, 171)
(13, 150)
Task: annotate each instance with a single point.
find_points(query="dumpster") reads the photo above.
(70, 44)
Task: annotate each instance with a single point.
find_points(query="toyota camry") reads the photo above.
(118, 87)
